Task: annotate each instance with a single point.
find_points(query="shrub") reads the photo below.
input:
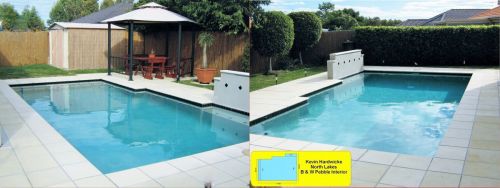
(274, 36)
(429, 46)
(307, 29)
(285, 62)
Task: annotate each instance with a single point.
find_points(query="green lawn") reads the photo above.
(260, 81)
(196, 84)
(41, 70)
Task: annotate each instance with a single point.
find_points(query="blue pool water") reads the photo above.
(117, 129)
(393, 112)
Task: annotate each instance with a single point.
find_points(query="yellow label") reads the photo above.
(300, 168)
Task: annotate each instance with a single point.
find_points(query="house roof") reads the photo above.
(453, 15)
(413, 22)
(112, 11)
(70, 25)
(150, 13)
(495, 12)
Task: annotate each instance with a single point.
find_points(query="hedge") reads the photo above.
(429, 46)
(275, 35)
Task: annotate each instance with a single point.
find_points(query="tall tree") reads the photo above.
(32, 20)
(307, 29)
(9, 16)
(67, 10)
(106, 4)
(227, 16)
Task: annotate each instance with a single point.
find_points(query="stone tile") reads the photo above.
(268, 141)
(446, 165)
(292, 145)
(470, 181)
(482, 133)
(244, 159)
(486, 119)
(255, 137)
(485, 144)
(43, 158)
(128, 177)
(209, 174)
(379, 157)
(9, 165)
(412, 161)
(81, 170)
(456, 142)
(448, 152)
(356, 153)
(67, 184)
(149, 184)
(485, 156)
(362, 183)
(261, 148)
(71, 157)
(180, 180)
(18, 180)
(461, 125)
(385, 185)
(368, 171)
(186, 163)
(158, 170)
(461, 117)
(47, 177)
(211, 157)
(232, 184)
(403, 177)
(319, 147)
(487, 170)
(231, 151)
(60, 147)
(458, 133)
(440, 179)
(233, 167)
(96, 181)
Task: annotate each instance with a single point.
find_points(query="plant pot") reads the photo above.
(152, 55)
(205, 76)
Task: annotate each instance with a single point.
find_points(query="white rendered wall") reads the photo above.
(232, 90)
(344, 64)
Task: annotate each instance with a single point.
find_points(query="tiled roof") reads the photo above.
(454, 15)
(112, 11)
(495, 12)
(413, 22)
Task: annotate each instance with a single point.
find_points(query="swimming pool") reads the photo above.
(393, 112)
(117, 129)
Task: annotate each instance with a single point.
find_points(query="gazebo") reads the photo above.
(150, 13)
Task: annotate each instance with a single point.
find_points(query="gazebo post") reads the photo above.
(109, 49)
(193, 37)
(179, 52)
(166, 41)
(130, 49)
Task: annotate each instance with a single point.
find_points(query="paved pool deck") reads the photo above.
(468, 155)
(35, 155)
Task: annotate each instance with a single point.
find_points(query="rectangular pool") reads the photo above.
(117, 129)
(393, 112)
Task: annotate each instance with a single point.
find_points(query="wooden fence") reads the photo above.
(225, 53)
(330, 42)
(24, 48)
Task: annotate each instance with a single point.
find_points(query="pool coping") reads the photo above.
(69, 168)
(453, 158)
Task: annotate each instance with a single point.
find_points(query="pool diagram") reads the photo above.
(278, 168)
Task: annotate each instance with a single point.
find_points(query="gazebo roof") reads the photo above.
(149, 13)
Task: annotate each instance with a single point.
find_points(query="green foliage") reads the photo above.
(206, 38)
(9, 16)
(245, 61)
(275, 36)
(106, 4)
(285, 62)
(429, 46)
(307, 29)
(227, 16)
(347, 18)
(32, 21)
(68, 10)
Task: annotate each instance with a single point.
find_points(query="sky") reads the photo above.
(386, 9)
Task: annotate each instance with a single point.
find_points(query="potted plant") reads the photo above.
(152, 54)
(205, 75)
